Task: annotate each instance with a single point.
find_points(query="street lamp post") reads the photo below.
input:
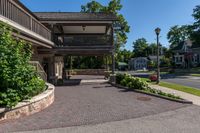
(157, 31)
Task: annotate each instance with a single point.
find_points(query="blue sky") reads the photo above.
(142, 15)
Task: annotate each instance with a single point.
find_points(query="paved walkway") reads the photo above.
(89, 105)
(183, 120)
(187, 96)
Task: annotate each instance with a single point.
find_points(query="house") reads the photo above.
(54, 35)
(186, 54)
(139, 63)
(154, 58)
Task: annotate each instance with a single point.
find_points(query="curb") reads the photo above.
(155, 95)
(29, 107)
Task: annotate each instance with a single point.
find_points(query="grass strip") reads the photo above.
(195, 75)
(190, 90)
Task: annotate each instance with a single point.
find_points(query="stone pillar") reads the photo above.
(51, 64)
(59, 65)
(113, 63)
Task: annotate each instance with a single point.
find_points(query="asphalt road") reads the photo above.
(190, 81)
(185, 80)
(183, 120)
(90, 104)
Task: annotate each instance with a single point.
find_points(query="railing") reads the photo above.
(84, 40)
(15, 12)
(39, 69)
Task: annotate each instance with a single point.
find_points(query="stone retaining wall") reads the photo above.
(29, 107)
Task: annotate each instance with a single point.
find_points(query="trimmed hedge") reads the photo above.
(18, 79)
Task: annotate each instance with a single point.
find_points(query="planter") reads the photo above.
(29, 107)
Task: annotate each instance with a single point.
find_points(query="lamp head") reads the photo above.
(84, 27)
(157, 30)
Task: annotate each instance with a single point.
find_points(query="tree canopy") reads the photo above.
(178, 34)
(196, 26)
(181, 33)
(140, 47)
(124, 55)
(114, 6)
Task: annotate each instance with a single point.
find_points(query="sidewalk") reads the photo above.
(186, 96)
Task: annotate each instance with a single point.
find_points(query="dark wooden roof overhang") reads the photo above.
(75, 16)
(78, 51)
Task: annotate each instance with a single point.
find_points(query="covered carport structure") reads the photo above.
(78, 34)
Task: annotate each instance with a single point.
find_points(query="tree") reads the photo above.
(196, 15)
(196, 26)
(140, 47)
(152, 49)
(124, 56)
(178, 34)
(92, 7)
(114, 7)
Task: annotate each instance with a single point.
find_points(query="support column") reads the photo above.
(51, 69)
(113, 62)
(106, 63)
(113, 76)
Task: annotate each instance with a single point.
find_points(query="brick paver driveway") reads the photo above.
(90, 104)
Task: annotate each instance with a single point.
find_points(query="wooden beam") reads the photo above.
(80, 34)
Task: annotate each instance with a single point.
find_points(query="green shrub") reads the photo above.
(119, 77)
(131, 82)
(18, 79)
(140, 84)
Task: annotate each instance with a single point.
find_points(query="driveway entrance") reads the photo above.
(89, 104)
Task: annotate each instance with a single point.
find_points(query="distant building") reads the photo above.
(186, 54)
(154, 58)
(139, 63)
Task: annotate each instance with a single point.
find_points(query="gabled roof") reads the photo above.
(75, 16)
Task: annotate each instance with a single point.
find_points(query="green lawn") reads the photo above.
(186, 89)
(195, 75)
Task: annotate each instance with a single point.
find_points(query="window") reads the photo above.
(181, 59)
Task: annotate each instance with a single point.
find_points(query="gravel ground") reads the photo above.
(89, 105)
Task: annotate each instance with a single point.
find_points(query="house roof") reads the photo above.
(75, 16)
(138, 58)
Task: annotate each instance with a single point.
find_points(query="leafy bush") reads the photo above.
(131, 82)
(18, 79)
(119, 77)
(165, 62)
(140, 84)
